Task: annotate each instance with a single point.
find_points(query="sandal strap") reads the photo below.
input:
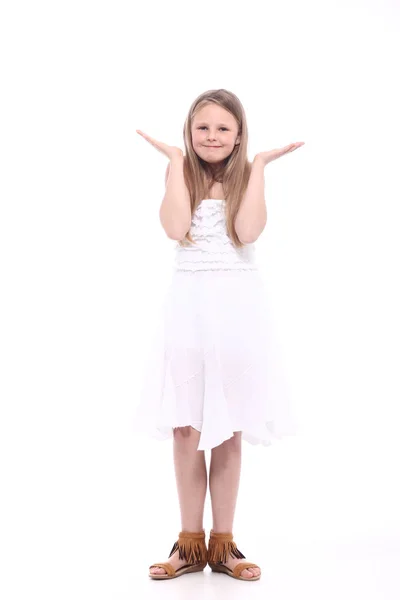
(167, 566)
(191, 546)
(221, 537)
(220, 546)
(196, 535)
(241, 566)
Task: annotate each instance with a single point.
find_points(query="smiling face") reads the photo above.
(214, 133)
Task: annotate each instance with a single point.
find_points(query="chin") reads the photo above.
(213, 159)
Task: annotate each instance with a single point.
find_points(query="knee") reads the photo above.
(234, 444)
(184, 435)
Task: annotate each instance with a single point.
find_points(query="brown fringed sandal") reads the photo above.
(219, 548)
(192, 548)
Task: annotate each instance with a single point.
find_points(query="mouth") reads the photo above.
(213, 146)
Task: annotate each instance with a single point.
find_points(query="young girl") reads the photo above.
(213, 378)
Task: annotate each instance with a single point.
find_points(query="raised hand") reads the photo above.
(270, 155)
(169, 151)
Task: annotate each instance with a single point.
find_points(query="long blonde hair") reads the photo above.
(235, 171)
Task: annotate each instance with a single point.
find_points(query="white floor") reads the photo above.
(321, 572)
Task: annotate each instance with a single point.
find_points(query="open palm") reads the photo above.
(270, 155)
(169, 151)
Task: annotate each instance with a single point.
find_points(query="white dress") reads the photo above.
(214, 360)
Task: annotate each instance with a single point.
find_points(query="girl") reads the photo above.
(213, 378)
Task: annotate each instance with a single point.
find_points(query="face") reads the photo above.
(214, 133)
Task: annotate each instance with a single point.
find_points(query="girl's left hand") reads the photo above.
(270, 155)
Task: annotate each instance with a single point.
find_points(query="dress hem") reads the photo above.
(165, 433)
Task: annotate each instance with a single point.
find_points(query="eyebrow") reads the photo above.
(205, 123)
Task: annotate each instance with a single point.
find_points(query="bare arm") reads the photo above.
(175, 212)
(252, 215)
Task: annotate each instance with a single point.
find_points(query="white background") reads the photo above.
(86, 506)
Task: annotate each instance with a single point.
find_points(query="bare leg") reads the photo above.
(225, 468)
(191, 481)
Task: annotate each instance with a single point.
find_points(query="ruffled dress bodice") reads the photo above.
(213, 249)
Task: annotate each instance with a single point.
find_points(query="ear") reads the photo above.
(237, 140)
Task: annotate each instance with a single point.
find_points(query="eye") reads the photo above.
(204, 127)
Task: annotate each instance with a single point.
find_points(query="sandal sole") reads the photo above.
(178, 573)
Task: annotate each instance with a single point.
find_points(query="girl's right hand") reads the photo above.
(169, 151)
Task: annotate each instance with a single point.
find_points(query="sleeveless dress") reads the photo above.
(214, 362)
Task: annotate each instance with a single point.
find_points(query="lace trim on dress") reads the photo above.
(212, 248)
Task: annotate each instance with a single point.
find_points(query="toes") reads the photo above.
(251, 572)
(247, 573)
(157, 571)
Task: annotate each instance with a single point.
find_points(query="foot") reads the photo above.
(249, 573)
(174, 560)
